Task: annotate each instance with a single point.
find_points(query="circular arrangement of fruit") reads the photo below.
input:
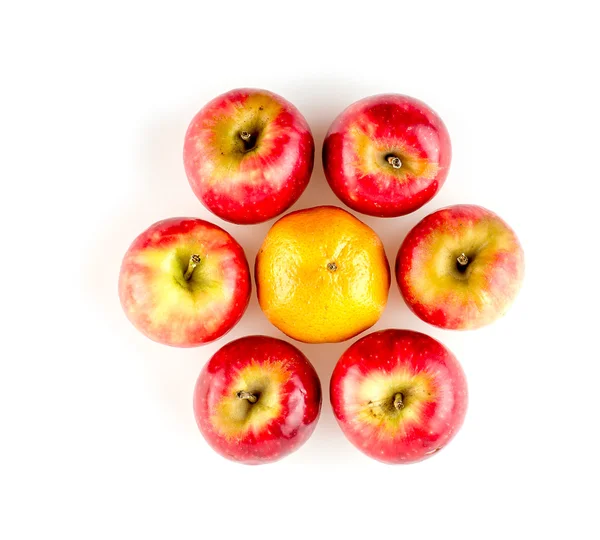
(322, 276)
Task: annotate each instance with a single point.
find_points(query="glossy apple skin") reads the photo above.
(368, 376)
(283, 417)
(248, 186)
(165, 307)
(363, 135)
(426, 267)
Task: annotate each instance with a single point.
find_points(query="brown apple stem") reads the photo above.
(394, 162)
(194, 261)
(245, 136)
(242, 394)
(332, 267)
(462, 259)
(399, 401)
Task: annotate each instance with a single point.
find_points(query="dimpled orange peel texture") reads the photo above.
(322, 275)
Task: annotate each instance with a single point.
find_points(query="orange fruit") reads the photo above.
(322, 275)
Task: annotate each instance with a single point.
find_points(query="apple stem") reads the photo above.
(399, 401)
(245, 136)
(242, 394)
(462, 259)
(194, 261)
(394, 161)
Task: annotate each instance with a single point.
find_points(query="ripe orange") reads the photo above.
(322, 275)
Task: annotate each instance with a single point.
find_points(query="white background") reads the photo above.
(97, 434)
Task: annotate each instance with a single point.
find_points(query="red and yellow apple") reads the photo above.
(257, 400)
(184, 282)
(460, 267)
(248, 155)
(386, 155)
(399, 396)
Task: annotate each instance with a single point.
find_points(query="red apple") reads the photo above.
(460, 267)
(257, 400)
(248, 155)
(184, 282)
(386, 155)
(399, 396)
